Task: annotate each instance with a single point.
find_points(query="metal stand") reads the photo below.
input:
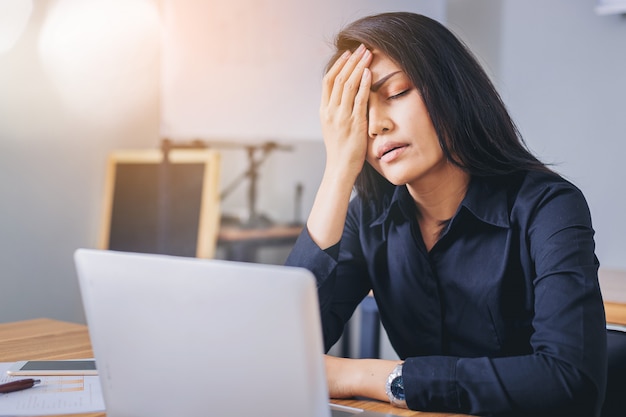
(257, 154)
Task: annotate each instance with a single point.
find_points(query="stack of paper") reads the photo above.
(54, 395)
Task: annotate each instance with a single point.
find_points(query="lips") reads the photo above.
(387, 150)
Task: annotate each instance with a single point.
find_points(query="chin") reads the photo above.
(396, 181)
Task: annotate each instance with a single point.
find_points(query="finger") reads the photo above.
(329, 78)
(362, 95)
(352, 87)
(344, 75)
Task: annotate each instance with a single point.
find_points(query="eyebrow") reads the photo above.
(376, 86)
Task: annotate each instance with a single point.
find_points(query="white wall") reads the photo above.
(81, 79)
(250, 71)
(565, 83)
(559, 67)
(561, 70)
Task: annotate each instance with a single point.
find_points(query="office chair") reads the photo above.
(613, 286)
(615, 399)
(369, 326)
(369, 346)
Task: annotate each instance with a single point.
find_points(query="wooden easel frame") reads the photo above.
(209, 220)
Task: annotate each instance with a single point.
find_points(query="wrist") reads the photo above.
(342, 171)
(395, 387)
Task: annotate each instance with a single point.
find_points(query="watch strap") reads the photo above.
(395, 387)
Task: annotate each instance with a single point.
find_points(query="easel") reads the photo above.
(165, 187)
(257, 154)
(162, 202)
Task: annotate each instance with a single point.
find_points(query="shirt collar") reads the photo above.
(486, 199)
(399, 198)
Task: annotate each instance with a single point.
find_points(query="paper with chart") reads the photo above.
(54, 395)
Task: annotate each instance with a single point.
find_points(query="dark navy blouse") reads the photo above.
(503, 316)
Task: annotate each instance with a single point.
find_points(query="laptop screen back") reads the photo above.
(191, 337)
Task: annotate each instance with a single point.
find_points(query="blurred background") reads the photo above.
(82, 78)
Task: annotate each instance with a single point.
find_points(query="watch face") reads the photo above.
(397, 388)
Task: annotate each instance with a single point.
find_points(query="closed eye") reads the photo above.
(400, 94)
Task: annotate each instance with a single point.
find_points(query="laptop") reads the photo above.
(177, 336)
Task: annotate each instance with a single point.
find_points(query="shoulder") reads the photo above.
(528, 198)
(540, 180)
(552, 197)
(539, 186)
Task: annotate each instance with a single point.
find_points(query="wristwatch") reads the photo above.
(395, 387)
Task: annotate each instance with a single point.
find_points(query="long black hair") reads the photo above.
(475, 130)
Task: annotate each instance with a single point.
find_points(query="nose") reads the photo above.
(378, 122)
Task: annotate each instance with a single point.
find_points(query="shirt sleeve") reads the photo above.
(338, 297)
(565, 373)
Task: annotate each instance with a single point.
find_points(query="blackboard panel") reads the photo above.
(165, 207)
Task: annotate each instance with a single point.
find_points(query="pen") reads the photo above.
(18, 385)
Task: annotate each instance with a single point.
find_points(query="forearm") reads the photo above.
(532, 384)
(343, 108)
(358, 377)
(328, 214)
(525, 385)
(338, 297)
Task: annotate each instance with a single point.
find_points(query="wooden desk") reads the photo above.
(52, 339)
(615, 313)
(613, 287)
(45, 339)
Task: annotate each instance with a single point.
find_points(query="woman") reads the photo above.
(480, 258)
